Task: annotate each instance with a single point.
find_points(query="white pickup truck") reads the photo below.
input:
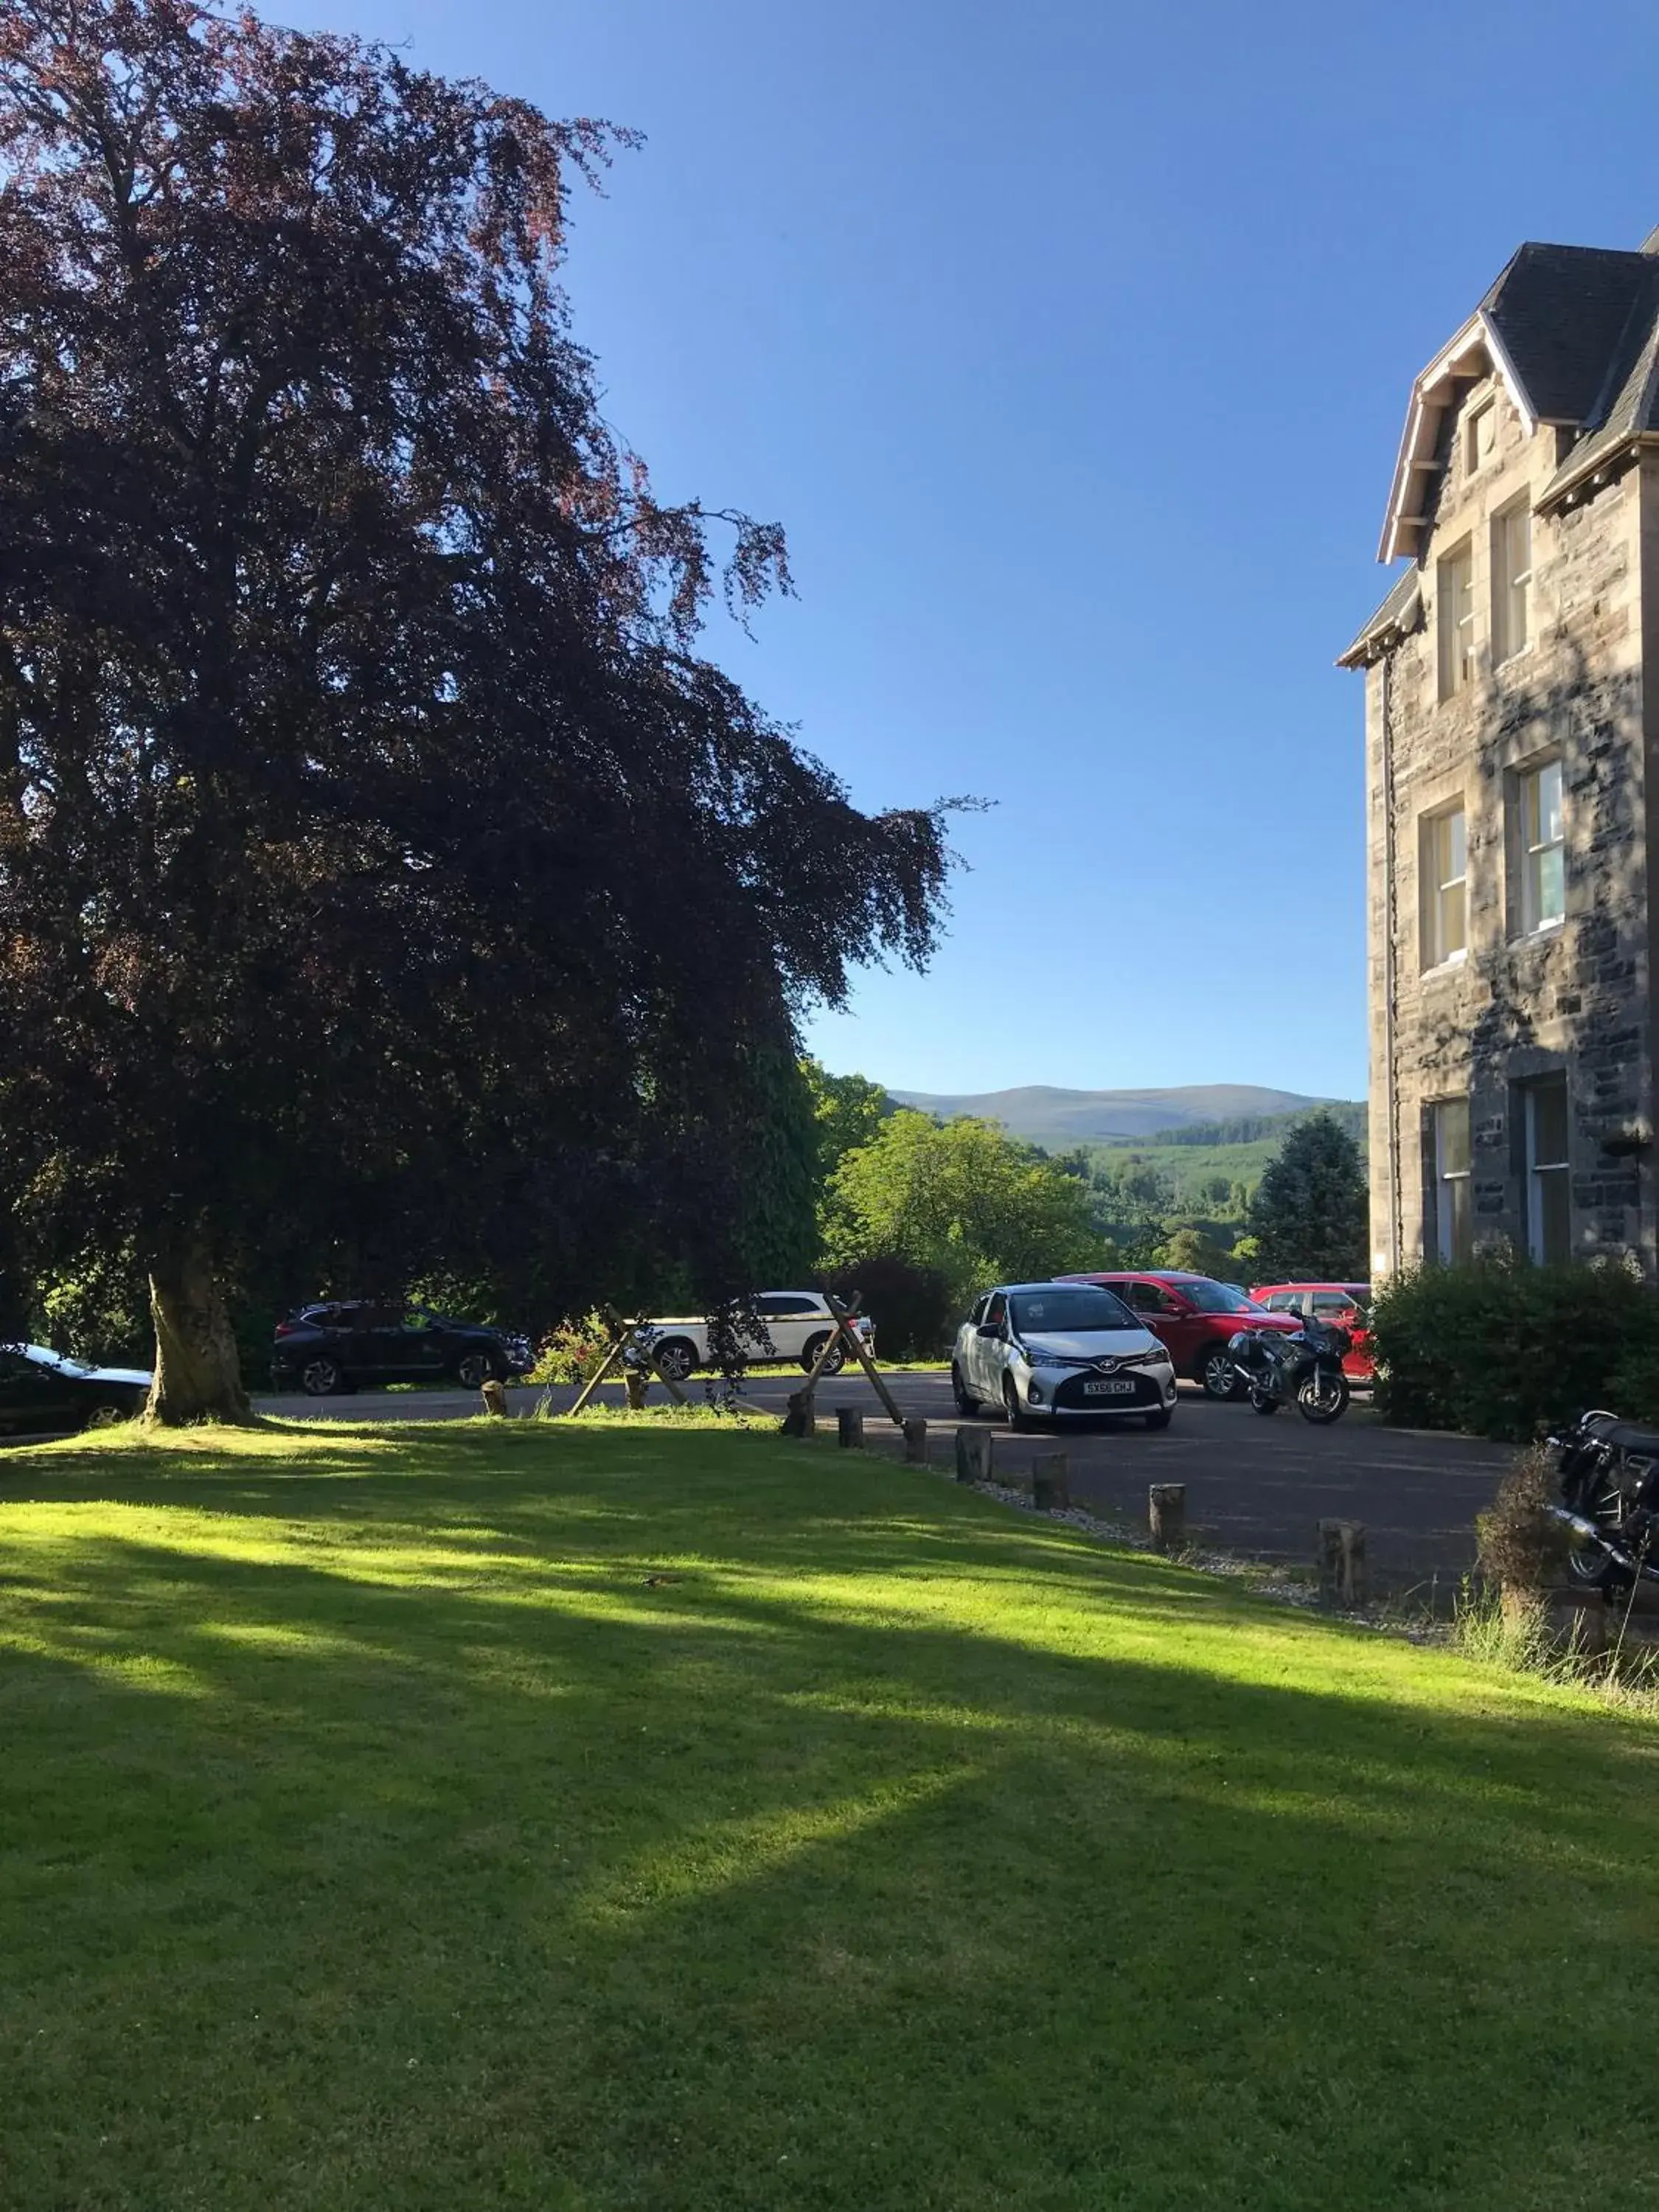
(796, 1323)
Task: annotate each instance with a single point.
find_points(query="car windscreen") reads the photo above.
(1062, 1311)
(1218, 1297)
(43, 1356)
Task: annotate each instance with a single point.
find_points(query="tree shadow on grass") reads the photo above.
(887, 1852)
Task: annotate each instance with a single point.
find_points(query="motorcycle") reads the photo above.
(1609, 1480)
(1305, 1368)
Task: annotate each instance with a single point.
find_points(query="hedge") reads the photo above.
(1505, 1349)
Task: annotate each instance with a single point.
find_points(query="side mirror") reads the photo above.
(992, 1329)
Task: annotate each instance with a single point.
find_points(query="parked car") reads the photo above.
(1054, 1351)
(1194, 1315)
(1346, 1305)
(794, 1323)
(340, 1343)
(44, 1390)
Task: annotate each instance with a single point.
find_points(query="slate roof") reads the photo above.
(1568, 316)
(1398, 616)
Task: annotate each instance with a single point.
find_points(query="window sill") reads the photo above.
(1544, 931)
(1451, 965)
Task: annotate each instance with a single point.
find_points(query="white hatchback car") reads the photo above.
(1054, 1351)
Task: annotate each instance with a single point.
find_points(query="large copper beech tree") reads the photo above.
(380, 870)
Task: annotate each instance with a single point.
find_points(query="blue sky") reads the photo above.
(1071, 344)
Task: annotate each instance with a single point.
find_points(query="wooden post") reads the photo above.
(915, 1440)
(973, 1455)
(635, 1383)
(495, 1398)
(832, 1338)
(1050, 1490)
(604, 1367)
(800, 1417)
(1582, 1625)
(1342, 1576)
(850, 1425)
(1166, 1514)
(861, 1352)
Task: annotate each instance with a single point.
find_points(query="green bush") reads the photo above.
(1505, 1349)
(1634, 1389)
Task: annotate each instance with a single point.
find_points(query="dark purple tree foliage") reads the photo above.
(385, 881)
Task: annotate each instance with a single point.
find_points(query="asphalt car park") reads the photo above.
(1253, 1486)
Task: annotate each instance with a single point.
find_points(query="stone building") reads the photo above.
(1509, 727)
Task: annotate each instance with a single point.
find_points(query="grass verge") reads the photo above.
(649, 1815)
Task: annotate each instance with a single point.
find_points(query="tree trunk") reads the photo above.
(197, 1377)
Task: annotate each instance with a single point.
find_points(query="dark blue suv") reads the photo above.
(342, 1342)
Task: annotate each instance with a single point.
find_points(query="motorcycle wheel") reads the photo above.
(1263, 1403)
(1588, 1567)
(1324, 1398)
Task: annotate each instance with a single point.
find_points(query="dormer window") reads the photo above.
(1481, 436)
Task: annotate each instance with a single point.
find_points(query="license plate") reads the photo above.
(1109, 1389)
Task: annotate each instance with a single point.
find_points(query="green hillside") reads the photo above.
(1059, 1119)
(1196, 1170)
(1192, 1171)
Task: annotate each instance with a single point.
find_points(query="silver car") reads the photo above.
(1055, 1352)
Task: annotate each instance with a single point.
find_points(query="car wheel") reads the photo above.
(321, 1378)
(815, 1345)
(1160, 1419)
(474, 1371)
(675, 1359)
(968, 1406)
(1014, 1412)
(1219, 1375)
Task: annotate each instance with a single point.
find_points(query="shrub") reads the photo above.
(573, 1351)
(911, 1306)
(1520, 1549)
(1505, 1349)
(1634, 1389)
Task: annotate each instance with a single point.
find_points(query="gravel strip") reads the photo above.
(1264, 1579)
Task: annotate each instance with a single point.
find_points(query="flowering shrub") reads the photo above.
(573, 1351)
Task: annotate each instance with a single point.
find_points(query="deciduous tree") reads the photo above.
(384, 880)
(848, 1111)
(961, 1196)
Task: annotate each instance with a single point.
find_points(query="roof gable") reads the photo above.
(1569, 331)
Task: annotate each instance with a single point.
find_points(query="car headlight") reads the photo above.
(1157, 1356)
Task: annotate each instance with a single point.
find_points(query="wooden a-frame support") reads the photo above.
(630, 1330)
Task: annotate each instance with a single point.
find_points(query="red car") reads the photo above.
(1348, 1305)
(1194, 1317)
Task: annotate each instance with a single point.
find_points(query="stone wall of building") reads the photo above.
(1573, 996)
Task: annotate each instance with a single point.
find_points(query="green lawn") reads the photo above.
(649, 1816)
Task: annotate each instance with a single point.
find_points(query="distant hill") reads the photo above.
(1063, 1118)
